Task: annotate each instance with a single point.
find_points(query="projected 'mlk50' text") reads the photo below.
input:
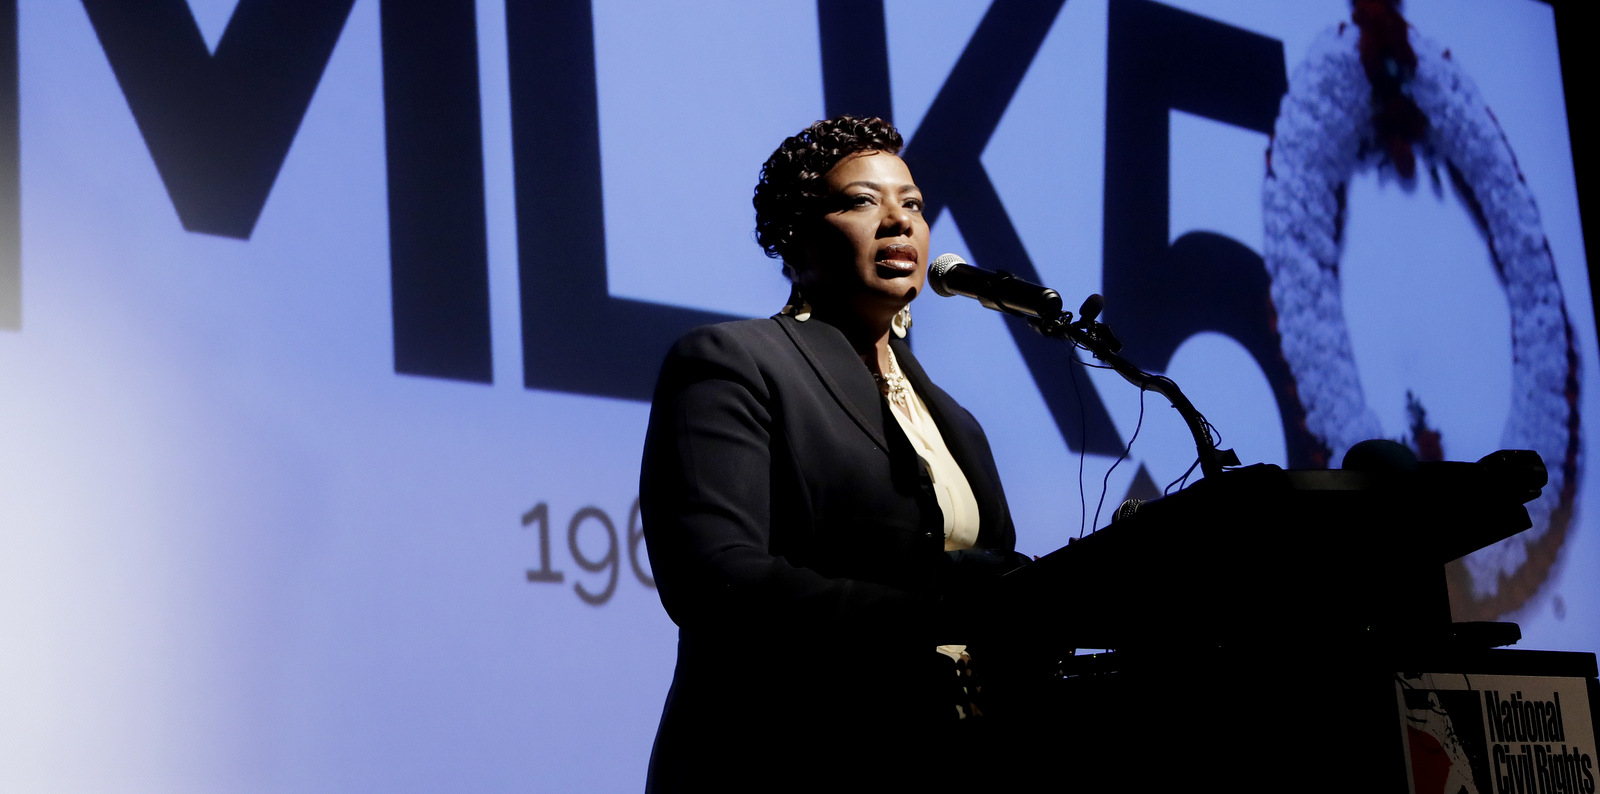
(219, 126)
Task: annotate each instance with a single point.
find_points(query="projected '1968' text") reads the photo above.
(583, 527)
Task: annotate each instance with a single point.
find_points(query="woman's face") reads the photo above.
(870, 249)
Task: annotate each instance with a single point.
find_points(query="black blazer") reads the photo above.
(795, 541)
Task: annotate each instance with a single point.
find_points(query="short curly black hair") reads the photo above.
(791, 188)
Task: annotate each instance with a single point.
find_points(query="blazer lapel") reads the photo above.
(841, 371)
(961, 436)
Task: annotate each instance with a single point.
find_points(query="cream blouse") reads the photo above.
(950, 486)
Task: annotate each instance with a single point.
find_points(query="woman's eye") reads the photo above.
(915, 205)
(862, 200)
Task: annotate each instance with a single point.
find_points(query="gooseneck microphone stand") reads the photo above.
(1097, 338)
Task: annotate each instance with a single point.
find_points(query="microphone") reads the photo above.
(1127, 509)
(950, 275)
(1091, 307)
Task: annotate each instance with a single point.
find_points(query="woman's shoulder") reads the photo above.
(736, 338)
(753, 356)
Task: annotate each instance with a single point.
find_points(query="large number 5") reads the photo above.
(1159, 59)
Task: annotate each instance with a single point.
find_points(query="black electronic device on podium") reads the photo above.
(1278, 630)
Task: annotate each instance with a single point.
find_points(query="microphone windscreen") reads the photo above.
(938, 268)
(1126, 509)
(1091, 307)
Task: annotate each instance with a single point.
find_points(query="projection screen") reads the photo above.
(328, 329)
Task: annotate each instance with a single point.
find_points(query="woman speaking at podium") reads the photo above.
(802, 483)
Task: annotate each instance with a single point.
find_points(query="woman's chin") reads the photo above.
(875, 301)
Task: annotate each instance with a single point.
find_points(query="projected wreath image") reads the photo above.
(1378, 94)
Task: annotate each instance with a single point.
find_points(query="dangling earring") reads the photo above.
(901, 322)
(797, 306)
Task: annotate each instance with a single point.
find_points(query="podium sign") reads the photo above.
(1496, 733)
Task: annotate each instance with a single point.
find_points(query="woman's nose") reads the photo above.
(897, 220)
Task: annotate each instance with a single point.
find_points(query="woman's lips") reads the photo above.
(902, 258)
